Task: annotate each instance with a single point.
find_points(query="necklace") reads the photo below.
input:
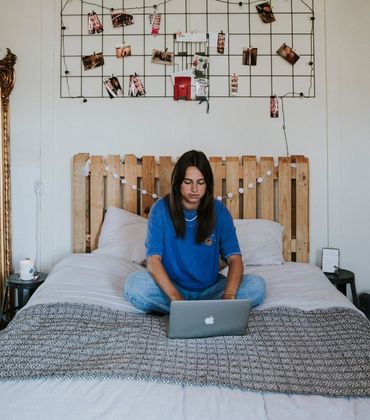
(190, 220)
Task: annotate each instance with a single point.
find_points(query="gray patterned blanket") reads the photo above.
(322, 352)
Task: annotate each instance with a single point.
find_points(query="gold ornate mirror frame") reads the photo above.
(7, 79)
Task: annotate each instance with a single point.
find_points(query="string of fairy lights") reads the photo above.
(143, 191)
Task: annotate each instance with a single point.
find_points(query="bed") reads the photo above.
(78, 350)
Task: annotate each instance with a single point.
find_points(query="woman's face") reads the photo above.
(193, 188)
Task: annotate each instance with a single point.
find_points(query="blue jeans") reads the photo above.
(141, 290)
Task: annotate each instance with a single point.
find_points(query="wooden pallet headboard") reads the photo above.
(269, 190)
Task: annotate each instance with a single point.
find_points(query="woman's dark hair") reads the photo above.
(206, 213)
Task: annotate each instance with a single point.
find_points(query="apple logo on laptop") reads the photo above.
(209, 320)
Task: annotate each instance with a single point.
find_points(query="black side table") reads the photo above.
(364, 300)
(340, 279)
(22, 289)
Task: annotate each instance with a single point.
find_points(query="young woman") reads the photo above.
(188, 232)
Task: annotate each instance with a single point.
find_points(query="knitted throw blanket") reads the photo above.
(322, 352)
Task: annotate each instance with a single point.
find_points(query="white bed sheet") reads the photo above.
(99, 279)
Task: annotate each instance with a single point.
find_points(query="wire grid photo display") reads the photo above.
(94, 48)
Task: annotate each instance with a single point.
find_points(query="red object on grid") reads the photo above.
(182, 88)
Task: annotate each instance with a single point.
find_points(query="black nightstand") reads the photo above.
(364, 300)
(340, 279)
(22, 290)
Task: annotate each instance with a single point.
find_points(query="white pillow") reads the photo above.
(260, 241)
(123, 235)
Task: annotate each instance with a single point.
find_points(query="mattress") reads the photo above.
(98, 280)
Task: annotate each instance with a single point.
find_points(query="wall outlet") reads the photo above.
(39, 186)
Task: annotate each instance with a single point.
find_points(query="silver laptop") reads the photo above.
(208, 318)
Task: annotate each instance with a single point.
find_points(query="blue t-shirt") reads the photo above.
(191, 265)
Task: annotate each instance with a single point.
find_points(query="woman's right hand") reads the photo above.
(160, 276)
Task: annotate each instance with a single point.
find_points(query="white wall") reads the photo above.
(348, 110)
(332, 130)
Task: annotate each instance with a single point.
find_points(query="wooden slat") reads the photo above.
(232, 185)
(216, 165)
(250, 194)
(302, 208)
(267, 188)
(113, 182)
(130, 195)
(285, 205)
(80, 182)
(165, 172)
(293, 246)
(96, 199)
(148, 183)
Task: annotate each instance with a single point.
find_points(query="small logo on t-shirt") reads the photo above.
(209, 240)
